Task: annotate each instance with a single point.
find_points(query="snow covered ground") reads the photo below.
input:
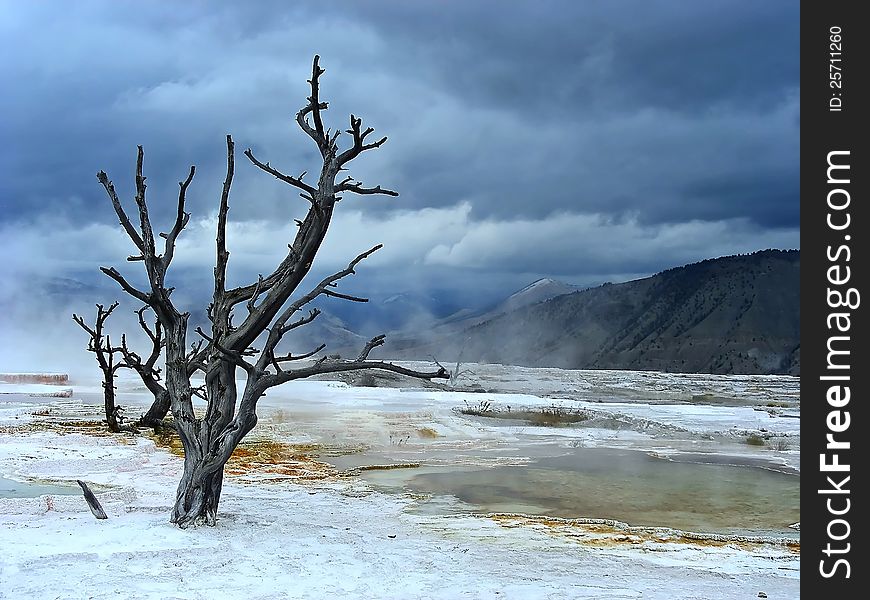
(335, 535)
(35, 389)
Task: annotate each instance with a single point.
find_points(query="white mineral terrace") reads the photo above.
(429, 530)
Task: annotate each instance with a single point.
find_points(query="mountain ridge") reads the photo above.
(733, 314)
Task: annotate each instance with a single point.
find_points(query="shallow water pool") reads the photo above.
(626, 485)
(9, 488)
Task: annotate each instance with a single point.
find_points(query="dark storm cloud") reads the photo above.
(616, 106)
(564, 56)
(552, 99)
(669, 125)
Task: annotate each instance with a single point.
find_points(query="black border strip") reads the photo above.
(833, 103)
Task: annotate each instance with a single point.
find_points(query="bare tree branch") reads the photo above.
(181, 220)
(323, 367)
(279, 328)
(220, 270)
(328, 292)
(314, 100)
(195, 349)
(314, 107)
(84, 326)
(251, 304)
(155, 265)
(372, 343)
(119, 210)
(232, 355)
(113, 366)
(357, 188)
(102, 314)
(144, 221)
(290, 357)
(456, 372)
(323, 287)
(125, 285)
(251, 292)
(157, 342)
(294, 181)
(312, 314)
(155, 335)
(359, 145)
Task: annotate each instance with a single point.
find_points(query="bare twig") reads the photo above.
(255, 294)
(294, 181)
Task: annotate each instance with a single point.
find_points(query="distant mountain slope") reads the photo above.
(737, 314)
(537, 291)
(400, 341)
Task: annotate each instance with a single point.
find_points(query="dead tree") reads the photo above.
(102, 348)
(230, 413)
(147, 370)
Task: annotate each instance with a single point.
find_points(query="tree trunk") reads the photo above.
(207, 443)
(109, 403)
(199, 494)
(158, 410)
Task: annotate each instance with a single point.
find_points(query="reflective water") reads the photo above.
(626, 485)
(9, 488)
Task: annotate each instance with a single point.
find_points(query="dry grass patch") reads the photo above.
(609, 533)
(753, 439)
(548, 416)
(298, 461)
(64, 427)
(295, 461)
(389, 467)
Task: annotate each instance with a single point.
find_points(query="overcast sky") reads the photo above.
(581, 140)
